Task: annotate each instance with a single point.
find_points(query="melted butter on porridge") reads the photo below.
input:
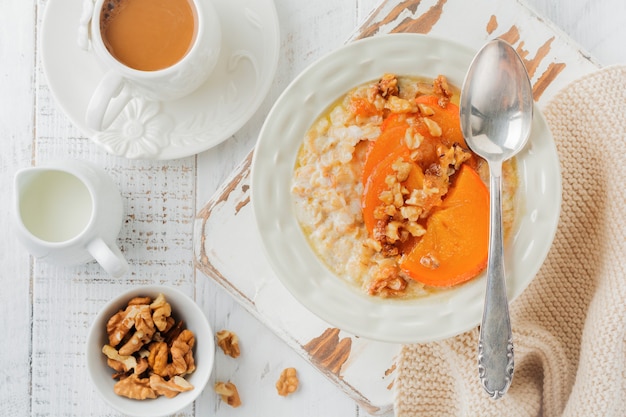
(394, 134)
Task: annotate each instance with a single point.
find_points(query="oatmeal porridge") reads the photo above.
(388, 193)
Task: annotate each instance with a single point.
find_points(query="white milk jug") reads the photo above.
(70, 212)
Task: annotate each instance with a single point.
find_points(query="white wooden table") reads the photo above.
(45, 310)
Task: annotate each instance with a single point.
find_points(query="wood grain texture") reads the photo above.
(46, 310)
(17, 96)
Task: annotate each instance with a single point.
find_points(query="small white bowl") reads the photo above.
(183, 308)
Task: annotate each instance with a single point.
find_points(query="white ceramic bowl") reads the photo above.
(183, 308)
(430, 318)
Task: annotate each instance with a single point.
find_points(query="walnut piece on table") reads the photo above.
(288, 382)
(228, 392)
(229, 342)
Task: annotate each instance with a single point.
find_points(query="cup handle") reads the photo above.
(110, 87)
(109, 257)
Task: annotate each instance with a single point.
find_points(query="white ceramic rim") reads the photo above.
(162, 406)
(292, 259)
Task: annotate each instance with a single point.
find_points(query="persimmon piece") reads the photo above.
(390, 141)
(376, 184)
(395, 119)
(360, 106)
(446, 117)
(393, 131)
(454, 248)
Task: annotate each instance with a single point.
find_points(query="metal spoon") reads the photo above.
(496, 110)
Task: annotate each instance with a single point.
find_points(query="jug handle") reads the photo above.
(109, 257)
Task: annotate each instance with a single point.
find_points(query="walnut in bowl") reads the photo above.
(150, 351)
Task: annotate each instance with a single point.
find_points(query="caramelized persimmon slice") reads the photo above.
(446, 117)
(454, 248)
(390, 141)
(376, 184)
(361, 106)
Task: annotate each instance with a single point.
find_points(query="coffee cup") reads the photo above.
(156, 49)
(70, 212)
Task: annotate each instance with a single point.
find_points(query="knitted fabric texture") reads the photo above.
(569, 325)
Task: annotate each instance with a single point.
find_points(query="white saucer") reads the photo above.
(175, 129)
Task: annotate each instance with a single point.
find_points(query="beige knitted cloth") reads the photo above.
(569, 325)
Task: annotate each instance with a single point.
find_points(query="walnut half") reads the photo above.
(135, 388)
(228, 392)
(288, 382)
(170, 388)
(229, 342)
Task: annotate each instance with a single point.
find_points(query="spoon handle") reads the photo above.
(495, 344)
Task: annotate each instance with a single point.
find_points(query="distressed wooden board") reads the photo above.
(364, 368)
(338, 355)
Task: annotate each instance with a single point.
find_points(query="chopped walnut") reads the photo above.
(228, 392)
(142, 366)
(120, 324)
(386, 196)
(402, 169)
(182, 356)
(411, 213)
(134, 387)
(288, 382)
(137, 301)
(180, 352)
(229, 342)
(128, 362)
(413, 139)
(159, 354)
(172, 332)
(170, 388)
(442, 89)
(453, 157)
(161, 311)
(392, 230)
(387, 282)
(425, 110)
(433, 127)
(396, 193)
(387, 86)
(400, 105)
(415, 229)
(144, 330)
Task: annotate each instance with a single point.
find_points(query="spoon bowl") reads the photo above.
(496, 112)
(496, 103)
